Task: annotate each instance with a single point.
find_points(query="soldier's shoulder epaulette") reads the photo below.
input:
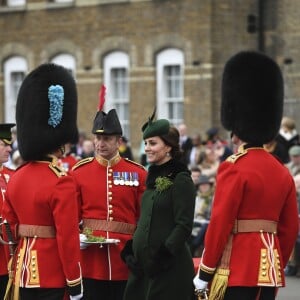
(59, 172)
(135, 163)
(234, 157)
(83, 162)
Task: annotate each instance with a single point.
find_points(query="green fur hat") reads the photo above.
(155, 128)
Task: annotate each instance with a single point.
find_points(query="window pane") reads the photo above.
(173, 93)
(16, 81)
(119, 91)
(122, 109)
(123, 113)
(170, 84)
(16, 2)
(66, 60)
(173, 81)
(119, 84)
(175, 112)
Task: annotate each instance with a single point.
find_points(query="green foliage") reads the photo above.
(162, 183)
(92, 238)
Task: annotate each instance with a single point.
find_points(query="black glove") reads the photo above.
(129, 259)
(134, 266)
(163, 253)
(159, 262)
(127, 250)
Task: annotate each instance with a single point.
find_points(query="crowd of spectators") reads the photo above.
(73, 153)
(204, 156)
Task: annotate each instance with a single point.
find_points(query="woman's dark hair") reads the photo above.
(172, 139)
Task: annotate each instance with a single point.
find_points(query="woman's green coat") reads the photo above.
(160, 241)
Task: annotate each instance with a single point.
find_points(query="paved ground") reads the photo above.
(291, 291)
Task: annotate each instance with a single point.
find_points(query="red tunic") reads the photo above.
(110, 190)
(41, 194)
(252, 185)
(5, 174)
(67, 162)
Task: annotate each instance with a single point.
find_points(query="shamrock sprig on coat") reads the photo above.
(162, 183)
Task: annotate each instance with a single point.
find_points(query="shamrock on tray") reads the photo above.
(88, 232)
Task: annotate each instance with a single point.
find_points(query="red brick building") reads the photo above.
(168, 53)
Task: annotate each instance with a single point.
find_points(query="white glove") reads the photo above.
(76, 297)
(83, 245)
(199, 284)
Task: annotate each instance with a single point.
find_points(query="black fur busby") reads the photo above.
(252, 97)
(46, 111)
(106, 123)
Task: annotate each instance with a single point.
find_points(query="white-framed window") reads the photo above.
(15, 69)
(66, 60)
(170, 89)
(116, 66)
(16, 2)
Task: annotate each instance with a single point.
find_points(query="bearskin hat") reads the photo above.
(46, 111)
(252, 97)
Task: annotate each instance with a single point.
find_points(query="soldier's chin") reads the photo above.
(106, 154)
(101, 153)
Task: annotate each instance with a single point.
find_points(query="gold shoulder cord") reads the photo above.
(83, 162)
(234, 157)
(135, 163)
(57, 170)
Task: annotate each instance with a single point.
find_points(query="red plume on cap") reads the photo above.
(101, 97)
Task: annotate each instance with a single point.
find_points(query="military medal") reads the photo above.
(130, 179)
(116, 178)
(136, 179)
(122, 182)
(126, 177)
